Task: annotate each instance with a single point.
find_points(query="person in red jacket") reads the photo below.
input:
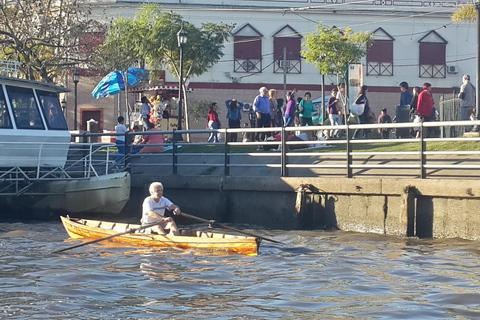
(425, 103)
(425, 106)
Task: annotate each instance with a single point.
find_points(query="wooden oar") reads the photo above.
(212, 222)
(112, 236)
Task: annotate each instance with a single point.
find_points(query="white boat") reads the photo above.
(41, 171)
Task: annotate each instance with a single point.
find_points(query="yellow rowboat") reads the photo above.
(95, 229)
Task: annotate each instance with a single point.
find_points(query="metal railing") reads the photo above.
(84, 160)
(316, 159)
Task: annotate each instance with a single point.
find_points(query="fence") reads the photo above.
(337, 157)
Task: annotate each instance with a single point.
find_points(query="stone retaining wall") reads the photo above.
(445, 208)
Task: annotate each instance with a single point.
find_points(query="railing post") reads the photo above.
(227, 156)
(283, 156)
(423, 146)
(349, 154)
(128, 149)
(174, 154)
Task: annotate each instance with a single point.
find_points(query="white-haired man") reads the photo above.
(467, 94)
(153, 210)
(261, 106)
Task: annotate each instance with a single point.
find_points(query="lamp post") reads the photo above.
(76, 79)
(182, 40)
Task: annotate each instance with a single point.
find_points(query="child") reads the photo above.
(121, 129)
(246, 135)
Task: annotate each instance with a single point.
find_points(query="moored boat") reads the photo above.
(41, 172)
(95, 229)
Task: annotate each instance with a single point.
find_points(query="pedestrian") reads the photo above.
(213, 123)
(425, 107)
(272, 96)
(384, 118)
(364, 117)
(333, 115)
(261, 106)
(467, 94)
(290, 109)
(305, 110)
(234, 116)
(120, 129)
(406, 96)
(413, 110)
(145, 112)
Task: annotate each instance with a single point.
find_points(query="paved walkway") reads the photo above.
(363, 166)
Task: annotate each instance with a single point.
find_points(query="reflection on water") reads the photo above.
(316, 275)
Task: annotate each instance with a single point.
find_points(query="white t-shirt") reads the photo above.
(159, 207)
(121, 128)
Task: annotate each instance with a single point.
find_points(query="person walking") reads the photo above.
(467, 94)
(425, 106)
(145, 112)
(234, 116)
(213, 123)
(363, 118)
(333, 115)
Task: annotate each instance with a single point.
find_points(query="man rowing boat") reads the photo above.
(153, 210)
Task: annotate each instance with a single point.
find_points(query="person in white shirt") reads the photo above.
(153, 210)
(121, 129)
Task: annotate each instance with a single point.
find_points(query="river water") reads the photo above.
(315, 275)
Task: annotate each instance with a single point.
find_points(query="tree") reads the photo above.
(152, 36)
(45, 36)
(465, 13)
(331, 49)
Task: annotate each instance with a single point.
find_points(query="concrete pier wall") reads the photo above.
(445, 208)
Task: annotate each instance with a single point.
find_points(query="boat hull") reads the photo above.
(103, 195)
(188, 239)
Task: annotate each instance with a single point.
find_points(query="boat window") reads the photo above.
(5, 122)
(52, 110)
(24, 107)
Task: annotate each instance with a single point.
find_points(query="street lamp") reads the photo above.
(76, 79)
(182, 40)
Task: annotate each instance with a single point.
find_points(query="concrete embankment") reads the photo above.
(409, 207)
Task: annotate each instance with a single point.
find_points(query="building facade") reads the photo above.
(415, 41)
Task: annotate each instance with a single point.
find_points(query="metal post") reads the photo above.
(180, 97)
(283, 160)
(227, 155)
(423, 146)
(75, 108)
(477, 98)
(349, 154)
(182, 40)
(76, 79)
(174, 156)
(284, 71)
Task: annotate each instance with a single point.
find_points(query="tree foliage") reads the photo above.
(465, 13)
(151, 36)
(45, 36)
(332, 49)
